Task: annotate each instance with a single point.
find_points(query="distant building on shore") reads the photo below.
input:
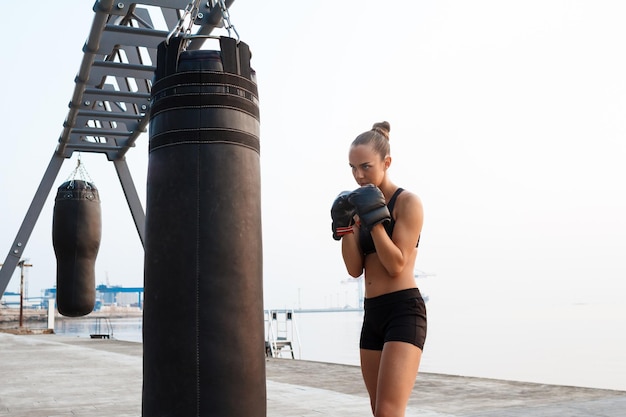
(109, 296)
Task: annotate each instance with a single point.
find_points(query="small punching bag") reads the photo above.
(76, 231)
(203, 326)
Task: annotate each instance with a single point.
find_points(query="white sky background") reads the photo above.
(507, 118)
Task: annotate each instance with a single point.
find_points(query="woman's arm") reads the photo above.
(351, 252)
(394, 254)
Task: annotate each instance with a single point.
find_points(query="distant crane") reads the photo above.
(22, 264)
(23, 287)
(360, 292)
(417, 273)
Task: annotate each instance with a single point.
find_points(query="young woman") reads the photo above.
(379, 225)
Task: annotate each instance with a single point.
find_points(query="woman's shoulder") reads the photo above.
(408, 197)
(409, 201)
(408, 213)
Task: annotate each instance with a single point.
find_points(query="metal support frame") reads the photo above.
(132, 198)
(110, 106)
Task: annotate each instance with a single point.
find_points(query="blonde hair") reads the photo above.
(377, 137)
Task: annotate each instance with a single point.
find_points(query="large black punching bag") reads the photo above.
(76, 232)
(203, 326)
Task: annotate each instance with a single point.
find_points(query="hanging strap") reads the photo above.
(244, 60)
(167, 57)
(235, 57)
(228, 46)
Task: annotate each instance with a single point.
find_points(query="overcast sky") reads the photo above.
(507, 118)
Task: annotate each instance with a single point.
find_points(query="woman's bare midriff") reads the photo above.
(379, 282)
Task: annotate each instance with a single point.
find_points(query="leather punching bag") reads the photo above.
(203, 328)
(76, 232)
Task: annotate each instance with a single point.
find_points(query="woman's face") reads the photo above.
(367, 165)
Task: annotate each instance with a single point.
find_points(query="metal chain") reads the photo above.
(186, 20)
(82, 174)
(226, 18)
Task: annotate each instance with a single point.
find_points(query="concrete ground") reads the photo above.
(52, 376)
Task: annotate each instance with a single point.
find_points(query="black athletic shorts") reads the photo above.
(398, 316)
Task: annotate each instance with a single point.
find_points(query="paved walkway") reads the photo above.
(53, 376)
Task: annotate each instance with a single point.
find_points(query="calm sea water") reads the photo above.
(578, 345)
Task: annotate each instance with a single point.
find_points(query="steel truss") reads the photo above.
(110, 105)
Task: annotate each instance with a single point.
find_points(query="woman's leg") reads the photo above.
(370, 362)
(397, 372)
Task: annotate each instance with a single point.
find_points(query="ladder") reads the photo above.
(102, 330)
(281, 334)
(110, 105)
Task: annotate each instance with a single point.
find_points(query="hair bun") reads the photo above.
(383, 128)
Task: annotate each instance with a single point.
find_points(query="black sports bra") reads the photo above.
(365, 237)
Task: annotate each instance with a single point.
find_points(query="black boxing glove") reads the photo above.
(370, 205)
(342, 213)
